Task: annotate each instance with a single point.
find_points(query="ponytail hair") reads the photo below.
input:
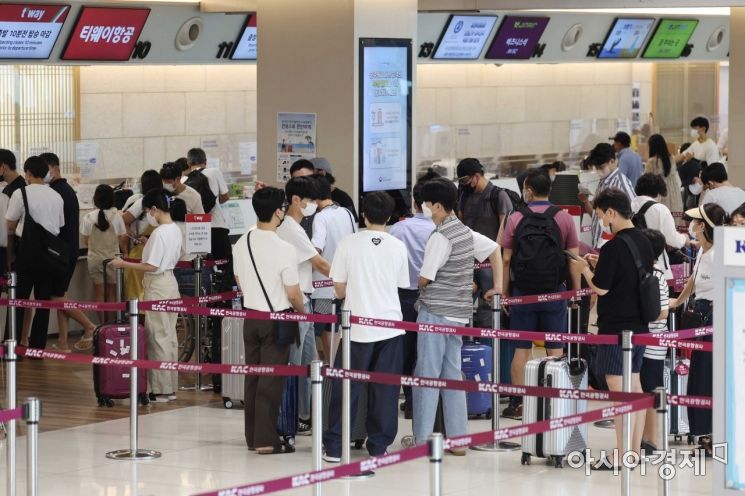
(103, 199)
(158, 198)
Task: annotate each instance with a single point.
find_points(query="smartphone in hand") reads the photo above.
(572, 255)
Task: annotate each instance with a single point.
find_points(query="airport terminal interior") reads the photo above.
(373, 95)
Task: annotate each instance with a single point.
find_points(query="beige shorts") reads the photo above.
(95, 271)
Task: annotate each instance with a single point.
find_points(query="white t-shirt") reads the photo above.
(276, 261)
(374, 265)
(294, 234)
(330, 225)
(218, 186)
(112, 215)
(657, 326)
(188, 257)
(659, 218)
(438, 250)
(192, 199)
(45, 206)
(704, 274)
(163, 248)
(133, 205)
(706, 151)
(3, 225)
(727, 197)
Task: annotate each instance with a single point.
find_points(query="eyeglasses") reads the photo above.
(463, 180)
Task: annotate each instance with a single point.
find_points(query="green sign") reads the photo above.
(670, 38)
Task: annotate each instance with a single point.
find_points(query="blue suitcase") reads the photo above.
(476, 365)
(288, 420)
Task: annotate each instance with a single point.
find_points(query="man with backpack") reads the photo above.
(534, 240)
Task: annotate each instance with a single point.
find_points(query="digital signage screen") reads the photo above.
(105, 33)
(29, 31)
(517, 37)
(464, 37)
(385, 114)
(245, 47)
(670, 38)
(626, 38)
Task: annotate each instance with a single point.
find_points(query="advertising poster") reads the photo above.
(384, 115)
(30, 31)
(296, 139)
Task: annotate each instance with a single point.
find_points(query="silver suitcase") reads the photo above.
(233, 351)
(568, 372)
(677, 385)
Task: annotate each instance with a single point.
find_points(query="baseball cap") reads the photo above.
(622, 138)
(469, 167)
(321, 163)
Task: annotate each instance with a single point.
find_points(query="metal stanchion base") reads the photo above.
(605, 424)
(193, 387)
(367, 474)
(497, 447)
(140, 454)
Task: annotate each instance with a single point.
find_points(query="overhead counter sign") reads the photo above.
(105, 33)
(29, 31)
(464, 37)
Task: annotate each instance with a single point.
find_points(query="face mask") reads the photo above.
(694, 134)
(426, 211)
(151, 220)
(691, 230)
(603, 172)
(309, 209)
(552, 177)
(168, 187)
(48, 178)
(696, 188)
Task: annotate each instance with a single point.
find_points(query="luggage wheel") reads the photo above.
(558, 461)
(227, 403)
(488, 415)
(359, 444)
(678, 439)
(525, 459)
(144, 400)
(691, 439)
(109, 402)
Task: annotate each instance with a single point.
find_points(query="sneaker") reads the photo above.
(158, 398)
(304, 428)
(331, 459)
(408, 442)
(172, 397)
(513, 412)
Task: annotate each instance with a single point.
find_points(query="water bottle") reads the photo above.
(237, 303)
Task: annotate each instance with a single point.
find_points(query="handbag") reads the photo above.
(689, 317)
(42, 248)
(283, 332)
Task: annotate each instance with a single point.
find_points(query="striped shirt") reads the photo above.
(615, 179)
(659, 352)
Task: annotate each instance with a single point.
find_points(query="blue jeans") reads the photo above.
(438, 356)
(303, 355)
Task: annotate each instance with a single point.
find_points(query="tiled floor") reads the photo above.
(203, 448)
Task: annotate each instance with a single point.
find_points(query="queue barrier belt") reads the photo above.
(11, 414)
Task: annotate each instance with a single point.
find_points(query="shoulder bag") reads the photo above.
(283, 332)
(42, 248)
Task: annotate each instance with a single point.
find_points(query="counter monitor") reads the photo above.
(670, 38)
(464, 37)
(29, 31)
(517, 37)
(626, 38)
(105, 33)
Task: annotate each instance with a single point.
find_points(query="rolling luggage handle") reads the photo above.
(119, 286)
(197, 265)
(664, 420)
(503, 446)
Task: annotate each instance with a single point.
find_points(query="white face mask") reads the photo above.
(696, 188)
(694, 133)
(426, 211)
(691, 232)
(151, 220)
(309, 209)
(48, 178)
(603, 172)
(168, 187)
(552, 177)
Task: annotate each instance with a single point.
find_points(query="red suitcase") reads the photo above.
(113, 341)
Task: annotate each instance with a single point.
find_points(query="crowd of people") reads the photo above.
(306, 255)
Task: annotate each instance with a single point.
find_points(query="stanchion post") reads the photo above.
(316, 386)
(627, 350)
(119, 293)
(332, 346)
(12, 315)
(346, 395)
(133, 453)
(436, 449)
(496, 309)
(10, 391)
(664, 425)
(31, 414)
(198, 267)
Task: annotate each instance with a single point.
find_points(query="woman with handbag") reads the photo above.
(159, 257)
(700, 381)
(266, 271)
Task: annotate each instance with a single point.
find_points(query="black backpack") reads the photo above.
(538, 263)
(639, 221)
(649, 285)
(515, 199)
(197, 180)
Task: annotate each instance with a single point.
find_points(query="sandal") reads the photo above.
(276, 450)
(84, 344)
(59, 349)
(704, 444)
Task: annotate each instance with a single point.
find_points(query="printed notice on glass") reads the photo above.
(87, 158)
(247, 157)
(296, 139)
(385, 118)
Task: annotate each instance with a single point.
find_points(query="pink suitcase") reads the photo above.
(112, 383)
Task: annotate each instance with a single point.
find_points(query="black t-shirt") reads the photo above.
(70, 231)
(619, 310)
(17, 183)
(344, 200)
